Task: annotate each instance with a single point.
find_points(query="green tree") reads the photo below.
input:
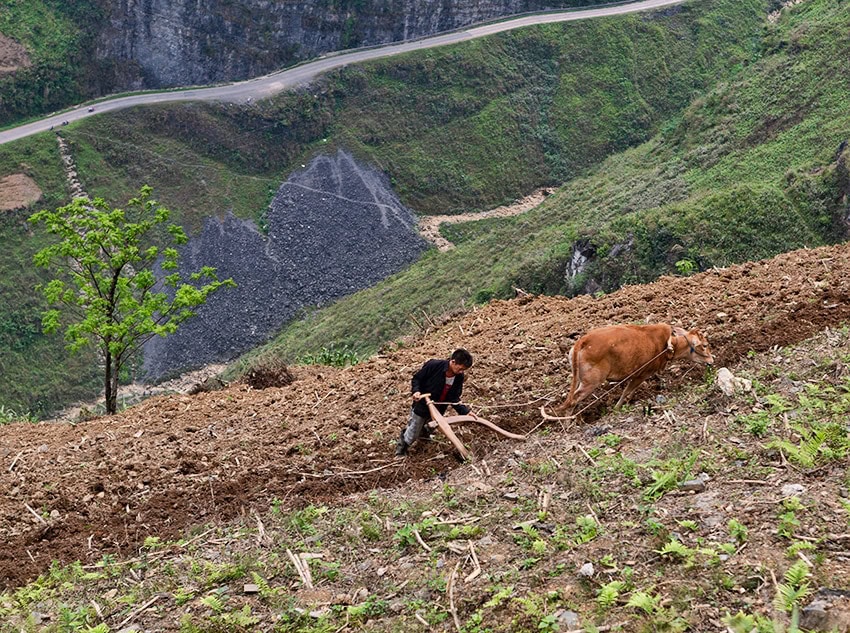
(104, 260)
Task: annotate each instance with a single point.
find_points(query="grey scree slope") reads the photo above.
(335, 227)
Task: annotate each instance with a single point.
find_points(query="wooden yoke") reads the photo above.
(444, 424)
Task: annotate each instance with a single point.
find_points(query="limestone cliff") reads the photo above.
(162, 43)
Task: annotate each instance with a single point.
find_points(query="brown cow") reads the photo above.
(630, 353)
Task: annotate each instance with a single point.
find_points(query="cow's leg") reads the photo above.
(589, 378)
(568, 404)
(633, 384)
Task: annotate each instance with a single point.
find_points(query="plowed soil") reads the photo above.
(81, 491)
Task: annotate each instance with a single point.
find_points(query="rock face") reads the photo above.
(162, 43)
(334, 228)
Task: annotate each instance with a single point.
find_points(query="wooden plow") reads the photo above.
(444, 424)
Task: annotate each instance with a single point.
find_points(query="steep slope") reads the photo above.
(465, 127)
(54, 54)
(104, 485)
(707, 191)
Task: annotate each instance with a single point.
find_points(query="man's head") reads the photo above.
(461, 360)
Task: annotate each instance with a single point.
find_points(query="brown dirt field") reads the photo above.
(12, 55)
(18, 191)
(81, 491)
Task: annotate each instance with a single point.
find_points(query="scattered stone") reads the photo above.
(586, 570)
(568, 620)
(793, 490)
(693, 485)
(828, 611)
(510, 496)
(730, 384)
(423, 594)
(251, 588)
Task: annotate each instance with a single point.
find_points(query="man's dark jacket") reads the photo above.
(431, 378)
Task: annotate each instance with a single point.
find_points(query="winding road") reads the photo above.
(268, 85)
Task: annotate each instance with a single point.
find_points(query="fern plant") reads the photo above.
(608, 594)
(679, 550)
(644, 601)
(213, 602)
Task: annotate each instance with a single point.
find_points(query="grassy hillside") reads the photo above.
(748, 170)
(62, 41)
(457, 128)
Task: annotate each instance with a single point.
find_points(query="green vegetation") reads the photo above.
(105, 285)
(724, 176)
(707, 189)
(58, 38)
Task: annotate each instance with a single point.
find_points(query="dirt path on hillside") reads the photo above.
(175, 461)
(429, 226)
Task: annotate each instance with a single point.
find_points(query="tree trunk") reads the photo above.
(110, 384)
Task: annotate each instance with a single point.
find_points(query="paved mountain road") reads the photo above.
(276, 82)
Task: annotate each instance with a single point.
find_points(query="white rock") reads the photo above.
(793, 490)
(730, 384)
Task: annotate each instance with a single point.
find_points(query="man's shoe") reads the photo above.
(402, 446)
(426, 433)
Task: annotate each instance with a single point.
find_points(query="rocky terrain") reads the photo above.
(79, 491)
(161, 44)
(334, 227)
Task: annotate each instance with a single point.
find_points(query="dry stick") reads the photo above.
(262, 538)
(425, 314)
(319, 400)
(422, 620)
(133, 614)
(419, 540)
(35, 514)
(305, 565)
(15, 461)
(97, 609)
(452, 596)
(584, 452)
(477, 571)
(299, 567)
